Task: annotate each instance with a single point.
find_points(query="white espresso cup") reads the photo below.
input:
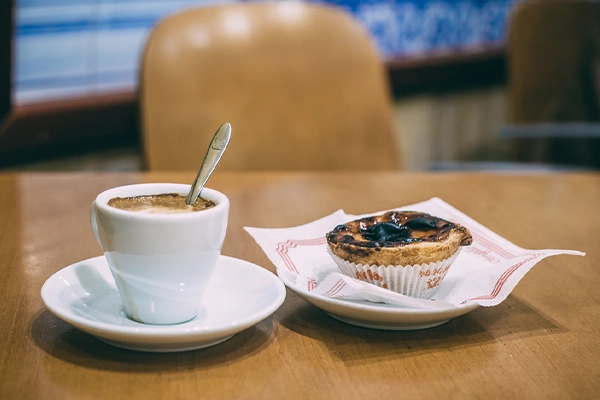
(161, 262)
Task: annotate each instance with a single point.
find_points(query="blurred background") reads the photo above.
(69, 75)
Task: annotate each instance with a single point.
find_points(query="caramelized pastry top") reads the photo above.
(395, 228)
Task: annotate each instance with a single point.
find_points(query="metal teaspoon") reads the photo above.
(213, 155)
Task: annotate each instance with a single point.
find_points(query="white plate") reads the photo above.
(379, 316)
(240, 295)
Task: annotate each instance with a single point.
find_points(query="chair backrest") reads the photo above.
(301, 84)
(554, 73)
(554, 61)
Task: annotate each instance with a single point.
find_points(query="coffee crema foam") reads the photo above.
(166, 203)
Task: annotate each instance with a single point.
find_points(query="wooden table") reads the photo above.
(542, 342)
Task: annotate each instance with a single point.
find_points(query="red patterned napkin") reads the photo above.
(484, 273)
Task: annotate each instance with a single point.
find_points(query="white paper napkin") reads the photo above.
(484, 273)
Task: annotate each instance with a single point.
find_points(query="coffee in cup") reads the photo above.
(162, 262)
(160, 203)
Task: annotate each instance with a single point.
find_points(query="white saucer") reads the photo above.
(378, 315)
(240, 295)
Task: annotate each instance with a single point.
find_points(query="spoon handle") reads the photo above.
(213, 155)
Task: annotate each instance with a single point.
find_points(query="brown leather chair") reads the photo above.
(554, 72)
(301, 84)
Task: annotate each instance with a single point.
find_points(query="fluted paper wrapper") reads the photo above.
(420, 280)
(484, 273)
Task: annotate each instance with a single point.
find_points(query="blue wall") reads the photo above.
(411, 27)
(71, 48)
